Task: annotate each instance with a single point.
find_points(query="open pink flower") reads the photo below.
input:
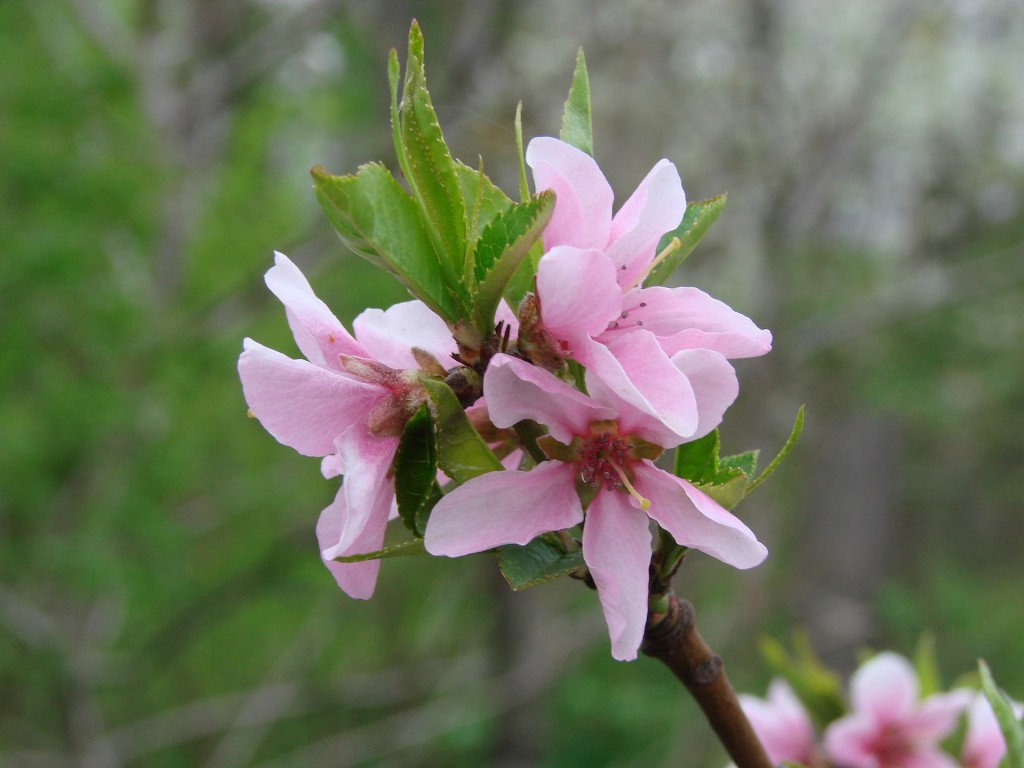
(604, 442)
(347, 402)
(984, 743)
(889, 727)
(591, 303)
(781, 723)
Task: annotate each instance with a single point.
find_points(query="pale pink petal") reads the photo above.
(937, 715)
(367, 487)
(688, 318)
(927, 757)
(695, 520)
(781, 723)
(885, 688)
(516, 390)
(984, 744)
(636, 370)
(505, 507)
(578, 293)
(849, 742)
(656, 207)
(714, 385)
(332, 466)
(301, 404)
(355, 579)
(320, 335)
(617, 550)
(583, 197)
(389, 335)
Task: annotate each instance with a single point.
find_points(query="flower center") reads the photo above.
(602, 461)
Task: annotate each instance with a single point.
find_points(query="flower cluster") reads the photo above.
(597, 373)
(888, 725)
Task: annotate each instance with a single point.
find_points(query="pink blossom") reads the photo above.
(984, 743)
(889, 727)
(782, 724)
(591, 303)
(605, 443)
(347, 402)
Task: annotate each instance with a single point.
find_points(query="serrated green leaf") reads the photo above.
(576, 120)
(699, 216)
(522, 281)
(501, 249)
(430, 170)
(376, 219)
(415, 470)
(405, 549)
(461, 453)
(745, 462)
(481, 195)
(1012, 728)
(794, 435)
(697, 461)
(543, 559)
(727, 492)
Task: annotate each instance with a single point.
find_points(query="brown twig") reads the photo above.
(673, 638)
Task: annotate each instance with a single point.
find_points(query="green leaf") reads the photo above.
(725, 480)
(430, 170)
(405, 549)
(745, 462)
(697, 461)
(727, 493)
(501, 249)
(376, 219)
(543, 559)
(926, 665)
(794, 435)
(698, 218)
(524, 185)
(415, 470)
(461, 453)
(481, 196)
(1011, 727)
(576, 122)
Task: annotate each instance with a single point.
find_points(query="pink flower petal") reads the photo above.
(320, 335)
(984, 744)
(355, 579)
(688, 318)
(389, 335)
(781, 723)
(505, 507)
(368, 489)
(714, 386)
(583, 198)
(849, 742)
(937, 715)
(617, 550)
(695, 520)
(516, 390)
(578, 293)
(302, 405)
(656, 207)
(885, 688)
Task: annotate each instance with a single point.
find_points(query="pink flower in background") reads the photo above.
(347, 402)
(607, 444)
(782, 724)
(647, 344)
(984, 744)
(889, 727)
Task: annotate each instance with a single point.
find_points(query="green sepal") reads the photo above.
(576, 120)
(375, 217)
(1012, 728)
(501, 249)
(405, 549)
(699, 216)
(416, 471)
(461, 453)
(543, 559)
(818, 688)
(430, 169)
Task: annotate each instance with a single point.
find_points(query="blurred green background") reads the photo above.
(161, 599)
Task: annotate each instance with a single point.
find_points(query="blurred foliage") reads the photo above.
(161, 599)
